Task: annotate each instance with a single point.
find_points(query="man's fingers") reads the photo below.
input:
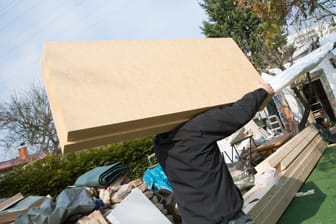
(266, 86)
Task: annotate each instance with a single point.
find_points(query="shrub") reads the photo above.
(55, 172)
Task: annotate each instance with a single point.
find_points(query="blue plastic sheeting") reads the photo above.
(156, 179)
(101, 176)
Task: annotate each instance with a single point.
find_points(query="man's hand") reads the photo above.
(266, 86)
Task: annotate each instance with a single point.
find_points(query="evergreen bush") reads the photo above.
(55, 172)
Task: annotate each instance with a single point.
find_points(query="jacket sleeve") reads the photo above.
(227, 119)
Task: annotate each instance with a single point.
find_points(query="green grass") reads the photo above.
(318, 208)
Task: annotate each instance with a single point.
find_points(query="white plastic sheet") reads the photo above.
(302, 65)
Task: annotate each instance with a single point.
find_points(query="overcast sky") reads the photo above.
(26, 24)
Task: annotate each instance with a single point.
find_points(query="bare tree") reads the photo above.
(301, 12)
(27, 117)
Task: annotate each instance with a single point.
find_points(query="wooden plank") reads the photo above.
(263, 203)
(258, 196)
(290, 182)
(289, 192)
(331, 145)
(10, 201)
(119, 88)
(274, 159)
(277, 197)
(95, 217)
(290, 157)
(265, 193)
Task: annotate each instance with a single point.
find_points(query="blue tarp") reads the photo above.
(101, 176)
(156, 179)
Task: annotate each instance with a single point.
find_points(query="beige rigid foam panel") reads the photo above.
(105, 91)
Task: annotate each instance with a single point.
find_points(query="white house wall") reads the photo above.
(327, 75)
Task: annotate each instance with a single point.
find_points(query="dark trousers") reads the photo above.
(240, 218)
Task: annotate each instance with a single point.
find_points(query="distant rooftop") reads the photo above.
(21, 160)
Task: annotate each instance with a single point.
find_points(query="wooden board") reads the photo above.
(257, 198)
(274, 159)
(293, 185)
(290, 157)
(270, 211)
(11, 201)
(105, 91)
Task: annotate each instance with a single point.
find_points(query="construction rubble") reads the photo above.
(109, 203)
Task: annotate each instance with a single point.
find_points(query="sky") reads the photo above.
(26, 24)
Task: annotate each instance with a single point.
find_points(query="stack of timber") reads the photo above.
(293, 163)
(101, 92)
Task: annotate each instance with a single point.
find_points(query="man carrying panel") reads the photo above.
(202, 184)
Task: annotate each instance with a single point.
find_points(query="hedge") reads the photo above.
(55, 172)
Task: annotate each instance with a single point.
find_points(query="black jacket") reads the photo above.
(202, 184)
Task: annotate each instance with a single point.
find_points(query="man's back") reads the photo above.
(203, 186)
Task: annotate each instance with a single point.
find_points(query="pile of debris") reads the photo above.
(116, 201)
(111, 203)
